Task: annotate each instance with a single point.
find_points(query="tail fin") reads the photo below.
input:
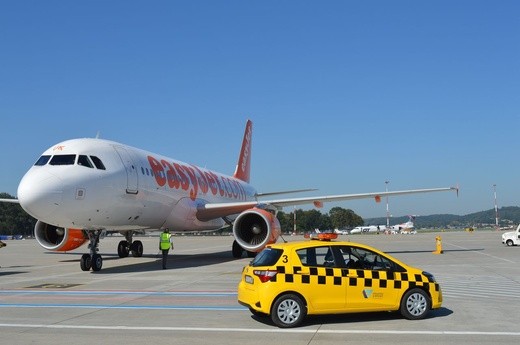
(244, 160)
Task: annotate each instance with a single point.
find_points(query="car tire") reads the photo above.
(288, 310)
(509, 243)
(415, 304)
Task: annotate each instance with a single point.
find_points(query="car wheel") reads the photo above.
(415, 304)
(288, 311)
(509, 243)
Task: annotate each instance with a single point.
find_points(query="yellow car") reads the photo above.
(291, 280)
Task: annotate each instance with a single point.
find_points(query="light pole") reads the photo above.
(387, 211)
(496, 208)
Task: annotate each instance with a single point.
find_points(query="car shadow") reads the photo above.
(355, 318)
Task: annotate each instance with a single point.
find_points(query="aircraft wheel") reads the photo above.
(251, 254)
(137, 249)
(86, 262)
(415, 304)
(97, 262)
(288, 310)
(122, 249)
(236, 250)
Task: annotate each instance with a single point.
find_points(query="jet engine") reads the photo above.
(58, 239)
(255, 228)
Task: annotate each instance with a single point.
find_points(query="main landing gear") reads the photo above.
(125, 247)
(237, 251)
(95, 261)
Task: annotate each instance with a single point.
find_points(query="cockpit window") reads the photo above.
(98, 163)
(63, 160)
(42, 160)
(84, 161)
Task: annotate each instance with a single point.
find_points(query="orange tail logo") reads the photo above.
(244, 160)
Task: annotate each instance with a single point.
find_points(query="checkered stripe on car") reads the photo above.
(353, 277)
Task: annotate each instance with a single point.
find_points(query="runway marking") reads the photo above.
(481, 253)
(123, 292)
(257, 330)
(106, 306)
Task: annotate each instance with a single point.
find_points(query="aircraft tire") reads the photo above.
(122, 249)
(236, 250)
(86, 262)
(97, 262)
(137, 249)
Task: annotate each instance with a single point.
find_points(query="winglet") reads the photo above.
(244, 160)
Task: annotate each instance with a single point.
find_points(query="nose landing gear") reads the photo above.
(92, 260)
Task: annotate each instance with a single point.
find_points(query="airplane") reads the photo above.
(80, 189)
(368, 228)
(398, 228)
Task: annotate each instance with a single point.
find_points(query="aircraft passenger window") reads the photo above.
(98, 163)
(63, 160)
(42, 160)
(84, 161)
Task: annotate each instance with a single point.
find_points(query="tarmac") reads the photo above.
(45, 298)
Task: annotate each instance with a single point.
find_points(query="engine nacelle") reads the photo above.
(58, 239)
(256, 228)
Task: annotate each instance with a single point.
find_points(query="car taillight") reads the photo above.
(265, 276)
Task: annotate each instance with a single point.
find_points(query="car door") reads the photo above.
(321, 280)
(369, 280)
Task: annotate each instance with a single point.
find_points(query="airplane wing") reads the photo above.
(216, 210)
(13, 201)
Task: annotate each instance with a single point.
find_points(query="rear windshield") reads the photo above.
(267, 257)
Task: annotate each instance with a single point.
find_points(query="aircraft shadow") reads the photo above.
(355, 318)
(11, 273)
(175, 261)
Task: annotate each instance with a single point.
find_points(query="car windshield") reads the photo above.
(267, 257)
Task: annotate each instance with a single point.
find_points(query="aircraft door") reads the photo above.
(131, 170)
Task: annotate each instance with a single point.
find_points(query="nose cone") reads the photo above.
(40, 193)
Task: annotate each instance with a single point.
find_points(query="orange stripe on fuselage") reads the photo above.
(191, 178)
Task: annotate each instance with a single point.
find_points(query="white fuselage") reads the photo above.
(135, 190)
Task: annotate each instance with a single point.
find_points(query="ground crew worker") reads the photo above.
(165, 243)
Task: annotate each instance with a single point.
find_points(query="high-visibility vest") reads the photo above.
(165, 241)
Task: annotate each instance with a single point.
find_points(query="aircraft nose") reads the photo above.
(40, 193)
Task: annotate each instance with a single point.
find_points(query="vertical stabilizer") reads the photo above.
(244, 160)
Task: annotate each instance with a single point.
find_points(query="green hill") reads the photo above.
(507, 216)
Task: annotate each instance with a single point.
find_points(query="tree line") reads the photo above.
(15, 221)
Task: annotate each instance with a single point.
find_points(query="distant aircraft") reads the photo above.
(79, 189)
(398, 228)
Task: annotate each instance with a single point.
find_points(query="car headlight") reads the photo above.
(430, 276)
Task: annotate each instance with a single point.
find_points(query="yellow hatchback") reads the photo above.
(291, 280)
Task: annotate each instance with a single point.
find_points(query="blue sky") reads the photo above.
(344, 95)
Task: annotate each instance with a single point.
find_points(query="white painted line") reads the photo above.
(258, 330)
(479, 252)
